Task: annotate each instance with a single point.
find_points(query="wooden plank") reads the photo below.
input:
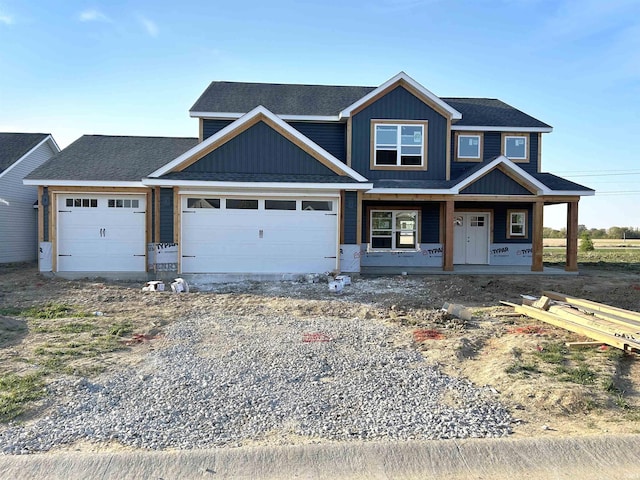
(583, 344)
(600, 307)
(571, 262)
(542, 303)
(589, 320)
(586, 331)
(537, 247)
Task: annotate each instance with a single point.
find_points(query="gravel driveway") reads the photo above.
(221, 379)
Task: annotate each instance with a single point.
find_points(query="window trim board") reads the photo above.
(425, 144)
(456, 146)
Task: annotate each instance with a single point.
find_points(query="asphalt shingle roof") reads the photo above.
(112, 158)
(14, 145)
(330, 100)
(560, 184)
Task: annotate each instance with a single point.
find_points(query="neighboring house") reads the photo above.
(290, 179)
(20, 153)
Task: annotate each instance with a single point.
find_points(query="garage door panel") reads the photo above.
(97, 237)
(258, 241)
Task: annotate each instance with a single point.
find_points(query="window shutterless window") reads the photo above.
(515, 147)
(203, 203)
(394, 230)
(398, 145)
(517, 226)
(279, 204)
(317, 205)
(82, 202)
(238, 204)
(469, 147)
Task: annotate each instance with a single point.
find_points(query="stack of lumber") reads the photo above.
(613, 326)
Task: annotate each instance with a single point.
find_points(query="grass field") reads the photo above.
(608, 254)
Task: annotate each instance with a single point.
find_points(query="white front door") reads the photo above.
(471, 238)
(101, 233)
(256, 234)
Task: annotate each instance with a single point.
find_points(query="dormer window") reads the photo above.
(515, 147)
(399, 145)
(468, 147)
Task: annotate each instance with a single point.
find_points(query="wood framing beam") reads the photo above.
(571, 264)
(536, 264)
(599, 307)
(40, 216)
(448, 236)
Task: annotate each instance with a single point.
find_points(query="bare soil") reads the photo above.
(550, 390)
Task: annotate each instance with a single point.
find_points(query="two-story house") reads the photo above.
(288, 179)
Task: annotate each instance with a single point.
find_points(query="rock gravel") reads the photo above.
(229, 380)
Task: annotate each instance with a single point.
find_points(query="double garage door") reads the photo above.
(101, 233)
(258, 235)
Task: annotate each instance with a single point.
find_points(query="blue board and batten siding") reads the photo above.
(491, 149)
(495, 183)
(350, 217)
(211, 127)
(399, 104)
(329, 135)
(166, 216)
(259, 150)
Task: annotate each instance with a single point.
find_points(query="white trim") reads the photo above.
(82, 183)
(291, 118)
(453, 113)
(503, 129)
(410, 191)
(518, 172)
(398, 145)
(260, 193)
(229, 129)
(254, 185)
(394, 230)
(526, 147)
(53, 144)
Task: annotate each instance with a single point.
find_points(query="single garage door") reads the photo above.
(258, 235)
(101, 233)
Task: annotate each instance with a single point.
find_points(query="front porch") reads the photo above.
(465, 270)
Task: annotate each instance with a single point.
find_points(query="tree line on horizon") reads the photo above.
(595, 233)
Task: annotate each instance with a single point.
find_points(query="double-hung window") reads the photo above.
(394, 230)
(517, 226)
(399, 145)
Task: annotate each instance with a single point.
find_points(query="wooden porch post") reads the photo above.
(571, 264)
(536, 264)
(448, 236)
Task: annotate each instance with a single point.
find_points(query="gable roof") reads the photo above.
(102, 158)
(13, 146)
(231, 100)
(281, 99)
(491, 112)
(258, 114)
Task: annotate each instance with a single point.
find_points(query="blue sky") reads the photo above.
(136, 67)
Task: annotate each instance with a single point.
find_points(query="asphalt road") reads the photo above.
(584, 458)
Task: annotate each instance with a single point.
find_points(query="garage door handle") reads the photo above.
(139, 212)
(188, 256)
(330, 257)
(332, 214)
(62, 255)
(139, 255)
(64, 211)
(188, 211)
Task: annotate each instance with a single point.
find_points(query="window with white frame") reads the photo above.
(399, 145)
(394, 230)
(517, 223)
(515, 147)
(469, 147)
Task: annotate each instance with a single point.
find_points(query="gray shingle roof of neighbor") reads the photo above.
(330, 100)
(258, 177)
(14, 145)
(112, 158)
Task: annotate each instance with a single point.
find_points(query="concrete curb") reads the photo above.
(611, 457)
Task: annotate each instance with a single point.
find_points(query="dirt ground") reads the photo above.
(550, 390)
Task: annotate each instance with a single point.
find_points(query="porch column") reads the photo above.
(571, 264)
(536, 264)
(447, 265)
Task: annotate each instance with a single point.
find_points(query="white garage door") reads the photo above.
(101, 233)
(258, 235)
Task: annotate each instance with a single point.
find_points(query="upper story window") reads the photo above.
(399, 145)
(515, 147)
(468, 147)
